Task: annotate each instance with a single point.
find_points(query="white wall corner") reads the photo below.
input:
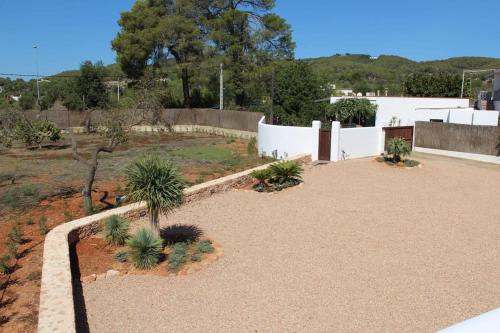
(335, 141)
(382, 140)
(316, 125)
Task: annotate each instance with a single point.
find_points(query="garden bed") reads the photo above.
(406, 163)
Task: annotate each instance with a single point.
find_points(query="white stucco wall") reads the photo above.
(361, 142)
(428, 114)
(288, 140)
(487, 118)
(404, 108)
(461, 117)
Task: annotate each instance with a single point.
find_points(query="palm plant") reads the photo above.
(145, 249)
(156, 181)
(261, 175)
(116, 230)
(398, 147)
(286, 171)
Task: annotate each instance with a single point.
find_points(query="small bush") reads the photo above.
(4, 265)
(116, 230)
(252, 147)
(286, 171)
(261, 175)
(196, 257)
(29, 221)
(145, 249)
(29, 190)
(229, 141)
(12, 198)
(205, 246)
(398, 148)
(16, 235)
(42, 226)
(178, 257)
(121, 256)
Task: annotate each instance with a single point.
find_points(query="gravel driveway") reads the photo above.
(359, 247)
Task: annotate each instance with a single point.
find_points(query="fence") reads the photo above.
(237, 120)
(459, 138)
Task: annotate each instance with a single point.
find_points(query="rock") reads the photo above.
(88, 279)
(100, 276)
(112, 272)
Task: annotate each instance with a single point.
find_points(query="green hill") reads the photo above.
(361, 72)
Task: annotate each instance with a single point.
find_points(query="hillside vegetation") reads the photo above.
(362, 73)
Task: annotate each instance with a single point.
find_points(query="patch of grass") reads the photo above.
(42, 226)
(205, 153)
(29, 190)
(16, 235)
(11, 249)
(67, 216)
(4, 265)
(145, 249)
(116, 230)
(12, 198)
(196, 257)
(29, 221)
(252, 147)
(36, 275)
(229, 141)
(121, 256)
(411, 163)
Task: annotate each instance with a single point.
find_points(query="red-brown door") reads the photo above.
(405, 132)
(325, 142)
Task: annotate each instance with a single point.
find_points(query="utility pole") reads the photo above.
(37, 78)
(221, 88)
(463, 82)
(272, 96)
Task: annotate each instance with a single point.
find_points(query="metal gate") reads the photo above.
(405, 132)
(325, 142)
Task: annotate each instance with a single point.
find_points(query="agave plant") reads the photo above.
(286, 171)
(398, 147)
(156, 181)
(261, 175)
(145, 249)
(116, 230)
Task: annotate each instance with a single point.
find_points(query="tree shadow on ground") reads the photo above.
(180, 233)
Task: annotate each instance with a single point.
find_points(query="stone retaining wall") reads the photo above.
(57, 312)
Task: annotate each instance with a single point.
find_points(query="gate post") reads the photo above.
(335, 142)
(316, 125)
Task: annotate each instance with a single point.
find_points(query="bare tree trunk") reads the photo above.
(87, 188)
(155, 221)
(185, 87)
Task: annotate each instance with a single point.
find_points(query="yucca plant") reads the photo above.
(286, 171)
(116, 230)
(155, 180)
(261, 175)
(145, 249)
(398, 147)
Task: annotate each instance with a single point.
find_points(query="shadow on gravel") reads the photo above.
(82, 325)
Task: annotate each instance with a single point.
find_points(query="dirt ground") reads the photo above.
(47, 187)
(358, 247)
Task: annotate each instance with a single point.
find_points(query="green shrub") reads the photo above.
(4, 265)
(411, 163)
(398, 147)
(29, 190)
(16, 235)
(286, 172)
(178, 256)
(261, 175)
(116, 230)
(252, 147)
(145, 249)
(29, 221)
(12, 198)
(205, 246)
(231, 140)
(121, 256)
(42, 226)
(196, 257)
(34, 132)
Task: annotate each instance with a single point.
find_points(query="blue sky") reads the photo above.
(70, 31)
